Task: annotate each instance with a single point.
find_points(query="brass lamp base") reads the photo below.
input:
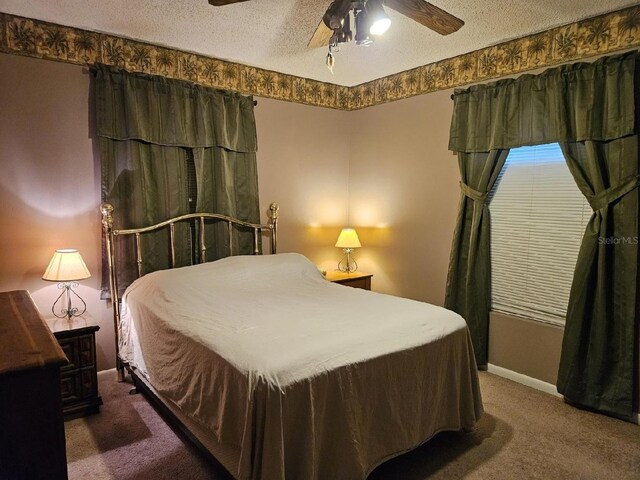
(347, 264)
(70, 311)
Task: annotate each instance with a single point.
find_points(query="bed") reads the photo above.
(280, 374)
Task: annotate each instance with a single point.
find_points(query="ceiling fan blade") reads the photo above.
(332, 18)
(222, 3)
(321, 37)
(427, 14)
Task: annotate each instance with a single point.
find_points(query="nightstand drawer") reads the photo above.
(86, 350)
(89, 381)
(70, 348)
(70, 386)
(79, 380)
(354, 279)
(364, 283)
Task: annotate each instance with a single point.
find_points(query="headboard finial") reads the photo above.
(273, 211)
(107, 217)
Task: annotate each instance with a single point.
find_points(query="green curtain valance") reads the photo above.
(171, 112)
(571, 103)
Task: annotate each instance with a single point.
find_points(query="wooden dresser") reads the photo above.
(32, 442)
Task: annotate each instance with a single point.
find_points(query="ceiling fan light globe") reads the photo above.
(380, 26)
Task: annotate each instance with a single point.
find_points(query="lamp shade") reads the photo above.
(66, 265)
(348, 239)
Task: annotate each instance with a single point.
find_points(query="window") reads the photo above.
(538, 218)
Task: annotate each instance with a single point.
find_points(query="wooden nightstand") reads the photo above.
(79, 379)
(356, 279)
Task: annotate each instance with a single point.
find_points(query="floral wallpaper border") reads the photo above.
(606, 33)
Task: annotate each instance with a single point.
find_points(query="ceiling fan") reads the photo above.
(422, 12)
(370, 20)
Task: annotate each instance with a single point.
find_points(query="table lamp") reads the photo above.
(347, 241)
(67, 267)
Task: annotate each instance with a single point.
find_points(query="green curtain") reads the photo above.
(149, 128)
(145, 183)
(226, 179)
(597, 364)
(591, 108)
(468, 290)
(172, 112)
(571, 103)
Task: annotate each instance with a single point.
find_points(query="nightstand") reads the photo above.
(79, 379)
(355, 279)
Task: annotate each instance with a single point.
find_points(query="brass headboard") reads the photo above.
(110, 234)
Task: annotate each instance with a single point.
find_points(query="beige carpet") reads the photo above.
(524, 434)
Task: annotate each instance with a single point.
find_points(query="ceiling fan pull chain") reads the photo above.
(330, 59)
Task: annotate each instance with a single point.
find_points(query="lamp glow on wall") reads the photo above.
(348, 240)
(67, 267)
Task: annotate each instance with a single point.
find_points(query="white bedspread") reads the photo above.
(276, 318)
(293, 377)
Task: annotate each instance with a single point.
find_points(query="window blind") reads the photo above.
(538, 218)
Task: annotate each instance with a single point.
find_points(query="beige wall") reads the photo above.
(303, 164)
(50, 180)
(49, 185)
(404, 194)
(525, 346)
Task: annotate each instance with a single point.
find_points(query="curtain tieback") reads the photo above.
(611, 194)
(474, 195)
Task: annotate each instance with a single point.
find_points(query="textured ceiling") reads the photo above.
(273, 34)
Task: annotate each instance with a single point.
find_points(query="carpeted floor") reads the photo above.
(523, 434)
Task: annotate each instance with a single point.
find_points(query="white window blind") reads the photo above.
(538, 218)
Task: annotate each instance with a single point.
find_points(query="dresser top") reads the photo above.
(25, 340)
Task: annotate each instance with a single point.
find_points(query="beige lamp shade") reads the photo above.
(348, 239)
(66, 265)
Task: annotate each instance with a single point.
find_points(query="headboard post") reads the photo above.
(273, 223)
(107, 226)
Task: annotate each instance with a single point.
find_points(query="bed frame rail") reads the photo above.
(110, 235)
